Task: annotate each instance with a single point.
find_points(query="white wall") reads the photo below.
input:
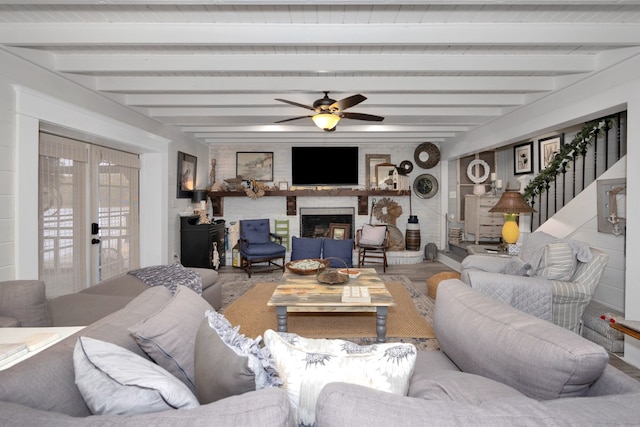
(30, 94)
(614, 89)
(428, 211)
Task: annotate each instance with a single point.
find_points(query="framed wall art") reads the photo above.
(548, 148)
(372, 161)
(339, 231)
(187, 165)
(523, 158)
(255, 165)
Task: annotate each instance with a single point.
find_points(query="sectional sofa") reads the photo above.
(24, 302)
(497, 366)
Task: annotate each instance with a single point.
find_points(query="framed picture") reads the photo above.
(548, 148)
(384, 175)
(523, 158)
(255, 165)
(339, 231)
(373, 160)
(283, 185)
(187, 165)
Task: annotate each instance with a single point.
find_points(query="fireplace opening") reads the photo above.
(315, 222)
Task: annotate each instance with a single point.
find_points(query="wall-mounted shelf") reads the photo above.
(217, 197)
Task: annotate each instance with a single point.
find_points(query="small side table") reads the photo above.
(18, 335)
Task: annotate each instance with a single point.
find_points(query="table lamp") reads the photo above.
(200, 196)
(511, 204)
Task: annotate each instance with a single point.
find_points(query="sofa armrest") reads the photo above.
(532, 295)
(25, 301)
(490, 263)
(570, 300)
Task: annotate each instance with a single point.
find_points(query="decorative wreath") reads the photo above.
(387, 211)
(485, 171)
(432, 152)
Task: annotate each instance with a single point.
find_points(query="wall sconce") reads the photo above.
(511, 204)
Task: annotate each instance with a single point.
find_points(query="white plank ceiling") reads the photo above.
(213, 69)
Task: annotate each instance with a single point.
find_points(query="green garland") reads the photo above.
(561, 161)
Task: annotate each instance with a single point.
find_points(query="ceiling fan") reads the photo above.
(328, 112)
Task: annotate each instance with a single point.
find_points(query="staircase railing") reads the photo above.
(578, 163)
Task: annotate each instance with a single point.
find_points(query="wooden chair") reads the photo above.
(372, 250)
(257, 245)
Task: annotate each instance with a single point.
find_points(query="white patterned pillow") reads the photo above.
(373, 234)
(558, 262)
(307, 365)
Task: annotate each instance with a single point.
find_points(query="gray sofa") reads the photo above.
(24, 303)
(41, 390)
(497, 367)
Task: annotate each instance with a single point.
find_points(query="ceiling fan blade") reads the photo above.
(362, 116)
(296, 104)
(293, 118)
(349, 102)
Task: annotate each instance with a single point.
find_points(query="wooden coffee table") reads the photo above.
(305, 294)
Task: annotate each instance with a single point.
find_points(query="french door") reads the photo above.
(88, 213)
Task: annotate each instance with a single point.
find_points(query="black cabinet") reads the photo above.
(196, 242)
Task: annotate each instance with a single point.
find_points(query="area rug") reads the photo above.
(417, 329)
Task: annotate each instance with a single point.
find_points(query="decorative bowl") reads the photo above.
(352, 272)
(332, 277)
(307, 266)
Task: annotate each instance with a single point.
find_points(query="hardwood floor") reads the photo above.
(419, 273)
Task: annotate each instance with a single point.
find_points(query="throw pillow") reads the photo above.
(168, 336)
(307, 365)
(341, 250)
(227, 363)
(113, 380)
(558, 262)
(305, 248)
(373, 234)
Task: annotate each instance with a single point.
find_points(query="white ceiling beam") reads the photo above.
(308, 2)
(388, 110)
(198, 34)
(209, 131)
(373, 99)
(318, 84)
(123, 63)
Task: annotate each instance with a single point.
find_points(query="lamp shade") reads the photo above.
(325, 121)
(199, 196)
(512, 202)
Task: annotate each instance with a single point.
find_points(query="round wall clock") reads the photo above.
(426, 155)
(425, 186)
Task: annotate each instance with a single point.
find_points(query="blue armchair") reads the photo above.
(257, 245)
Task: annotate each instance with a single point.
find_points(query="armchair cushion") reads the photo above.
(26, 302)
(305, 248)
(341, 249)
(372, 235)
(262, 250)
(255, 230)
(558, 262)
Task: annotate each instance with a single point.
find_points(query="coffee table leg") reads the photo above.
(381, 323)
(281, 313)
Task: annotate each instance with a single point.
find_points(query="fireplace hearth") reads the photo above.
(314, 222)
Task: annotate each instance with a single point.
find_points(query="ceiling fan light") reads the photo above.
(325, 121)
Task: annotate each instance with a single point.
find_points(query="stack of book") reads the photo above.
(356, 294)
(455, 235)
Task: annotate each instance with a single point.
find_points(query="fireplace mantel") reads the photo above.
(217, 197)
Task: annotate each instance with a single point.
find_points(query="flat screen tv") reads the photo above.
(324, 165)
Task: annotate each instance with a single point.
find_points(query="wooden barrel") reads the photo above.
(412, 238)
